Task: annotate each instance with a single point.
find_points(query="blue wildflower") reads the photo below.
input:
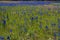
(46, 27)
(4, 22)
(32, 18)
(1, 37)
(10, 30)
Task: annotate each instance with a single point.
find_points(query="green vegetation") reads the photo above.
(29, 22)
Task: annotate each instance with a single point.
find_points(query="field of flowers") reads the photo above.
(30, 22)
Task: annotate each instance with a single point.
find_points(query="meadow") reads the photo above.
(30, 22)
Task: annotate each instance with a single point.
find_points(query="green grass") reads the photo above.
(23, 28)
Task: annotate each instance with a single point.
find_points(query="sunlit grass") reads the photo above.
(25, 22)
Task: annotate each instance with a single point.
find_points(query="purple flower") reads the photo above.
(32, 18)
(46, 27)
(10, 30)
(4, 22)
(1, 37)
